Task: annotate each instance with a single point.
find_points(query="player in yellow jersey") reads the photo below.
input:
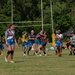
(24, 40)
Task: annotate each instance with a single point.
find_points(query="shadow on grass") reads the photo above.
(19, 61)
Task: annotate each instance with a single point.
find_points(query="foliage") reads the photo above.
(30, 10)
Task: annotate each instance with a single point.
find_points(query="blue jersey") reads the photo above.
(10, 38)
(32, 41)
(32, 36)
(8, 35)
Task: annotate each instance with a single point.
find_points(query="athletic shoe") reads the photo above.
(70, 54)
(24, 54)
(12, 61)
(6, 60)
(60, 55)
(35, 53)
(45, 54)
(40, 55)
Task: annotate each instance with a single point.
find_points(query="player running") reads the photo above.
(25, 43)
(43, 42)
(31, 41)
(59, 43)
(37, 42)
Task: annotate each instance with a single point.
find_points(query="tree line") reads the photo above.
(30, 10)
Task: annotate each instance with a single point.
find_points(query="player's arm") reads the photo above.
(31, 38)
(6, 39)
(37, 36)
(15, 38)
(72, 40)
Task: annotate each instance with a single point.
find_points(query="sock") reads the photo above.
(24, 52)
(56, 51)
(29, 50)
(11, 57)
(70, 52)
(8, 54)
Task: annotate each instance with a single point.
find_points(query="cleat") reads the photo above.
(35, 53)
(40, 55)
(12, 61)
(6, 60)
(60, 55)
(45, 55)
(24, 54)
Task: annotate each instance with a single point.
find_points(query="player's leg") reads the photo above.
(74, 50)
(29, 50)
(30, 47)
(44, 50)
(44, 47)
(39, 50)
(8, 52)
(71, 47)
(36, 45)
(12, 53)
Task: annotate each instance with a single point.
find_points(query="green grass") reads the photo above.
(35, 65)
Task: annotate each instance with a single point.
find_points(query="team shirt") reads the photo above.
(73, 39)
(24, 38)
(59, 38)
(10, 37)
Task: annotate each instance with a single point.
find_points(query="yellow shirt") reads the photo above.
(24, 38)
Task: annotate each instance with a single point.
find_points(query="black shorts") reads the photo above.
(72, 45)
(1, 45)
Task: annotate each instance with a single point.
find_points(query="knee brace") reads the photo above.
(12, 52)
(8, 52)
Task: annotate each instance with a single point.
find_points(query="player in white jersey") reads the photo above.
(59, 43)
(10, 42)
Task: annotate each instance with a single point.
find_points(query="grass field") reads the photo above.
(35, 65)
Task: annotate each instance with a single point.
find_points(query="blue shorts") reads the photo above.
(23, 43)
(37, 41)
(0, 43)
(58, 43)
(1, 46)
(27, 44)
(11, 42)
(31, 42)
(43, 43)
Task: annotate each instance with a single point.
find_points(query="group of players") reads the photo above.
(38, 42)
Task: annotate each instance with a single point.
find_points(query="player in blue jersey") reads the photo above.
(31, 41)
(10, 42)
